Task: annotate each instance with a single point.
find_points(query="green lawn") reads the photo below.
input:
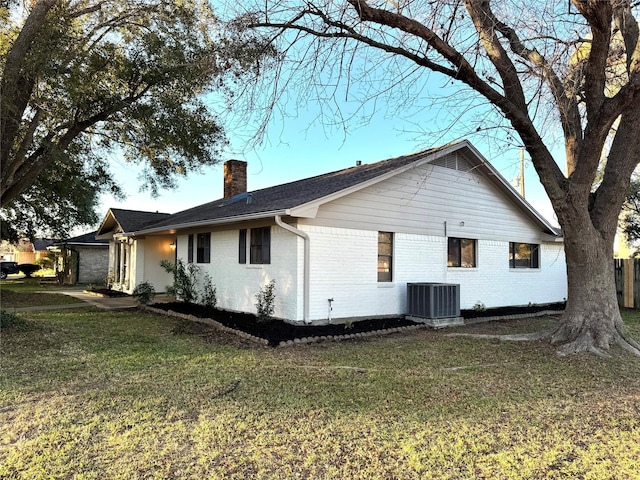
(88, 394)
(29, 292)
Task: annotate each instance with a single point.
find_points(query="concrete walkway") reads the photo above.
(103, 302)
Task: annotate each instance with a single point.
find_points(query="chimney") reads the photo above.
(235, 177)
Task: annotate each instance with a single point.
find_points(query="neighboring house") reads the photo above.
(345, 244)
(82, 259)
(25, 251)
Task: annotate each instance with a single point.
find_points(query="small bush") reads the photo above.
(209, 291)
(28, 269)
(144, 293)
(110, 279)
(10, 320)
(184, 280)
(265, 302)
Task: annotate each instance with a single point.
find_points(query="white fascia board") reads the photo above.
(171, 229)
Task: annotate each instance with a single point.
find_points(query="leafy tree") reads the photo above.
(83, 80)
(566, 66)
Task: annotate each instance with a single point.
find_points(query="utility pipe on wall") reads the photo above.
(307, 261)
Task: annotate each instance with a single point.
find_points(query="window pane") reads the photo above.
(461, 252)
(203, 248)
(453, 252)
(260, 248)
(467, 253)
(523, 255)
(242, 246)
(385, 256)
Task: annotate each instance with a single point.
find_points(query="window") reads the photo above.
(260, 248)
(385, 256)
(204, 248)
(524, 255)
(242, 246)
(461, 252)
(190, 249)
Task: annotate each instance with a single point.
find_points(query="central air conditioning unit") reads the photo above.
(437, 304)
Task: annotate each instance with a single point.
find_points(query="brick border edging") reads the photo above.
(331, 338)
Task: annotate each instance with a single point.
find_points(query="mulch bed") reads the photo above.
(277, 331)
(107, 292)
(505, 311)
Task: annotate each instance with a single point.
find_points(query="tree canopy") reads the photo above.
(556, 68)
(84, 80)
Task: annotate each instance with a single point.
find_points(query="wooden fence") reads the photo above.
(627, 271)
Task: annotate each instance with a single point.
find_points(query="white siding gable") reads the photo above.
(422, 199)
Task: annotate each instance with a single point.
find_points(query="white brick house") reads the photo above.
(345, 244)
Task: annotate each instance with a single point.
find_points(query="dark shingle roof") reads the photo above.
(41, 244)
(85, 238)
(288, 195)
(133, 220)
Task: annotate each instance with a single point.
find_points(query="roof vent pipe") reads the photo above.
(358, 163)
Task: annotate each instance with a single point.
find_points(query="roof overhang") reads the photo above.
(108, 227)
(173, 228)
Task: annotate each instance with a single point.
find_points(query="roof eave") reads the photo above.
(172, 228)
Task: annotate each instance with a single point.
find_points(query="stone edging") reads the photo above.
(296, 341)
(332, 338)
(517, 316)
(211, 322)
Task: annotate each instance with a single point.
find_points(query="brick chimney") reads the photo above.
(235, 177)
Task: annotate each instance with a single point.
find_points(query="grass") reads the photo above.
(88, 394)
(29, 292)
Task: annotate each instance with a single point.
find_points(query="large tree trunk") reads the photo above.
(592, 320)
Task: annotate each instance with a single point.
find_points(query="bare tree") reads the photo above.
(574, 64)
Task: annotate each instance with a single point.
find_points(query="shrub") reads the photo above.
(265, 300)
(144, 293)
(10, 319)
(184, 280)
(48, 261)
(209, 298)
(28, 269)
(110, 279)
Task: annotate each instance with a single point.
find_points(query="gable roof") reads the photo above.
(118, 220)
(41, 244)
(85, 239)
(303, 197)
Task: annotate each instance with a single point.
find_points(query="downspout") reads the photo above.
(307, 262)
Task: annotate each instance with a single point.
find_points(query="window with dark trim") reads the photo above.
(203, 253)
(461, 252)
(385, 256)
(242, 246)
(524, 255)
(260, 248)
(190, 249)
